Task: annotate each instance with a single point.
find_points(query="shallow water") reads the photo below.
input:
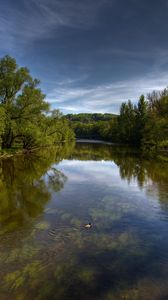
(45, 200)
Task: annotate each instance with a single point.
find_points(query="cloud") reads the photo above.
(91, 40)
(70, 13)
(94, 172)
(40, 19)
(105, 98)
(99, 171)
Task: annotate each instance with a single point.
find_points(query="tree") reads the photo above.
(156, 127)
(141, 118)
(20, 98)
(126, 122)
(26, 118)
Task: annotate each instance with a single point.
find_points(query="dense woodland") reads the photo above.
(89, 118)
(27, 121)
(91, 126)
(144, 124)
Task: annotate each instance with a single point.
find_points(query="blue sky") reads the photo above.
(90, 55)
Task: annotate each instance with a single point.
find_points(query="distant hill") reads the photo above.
(89, 117)
(91, 126)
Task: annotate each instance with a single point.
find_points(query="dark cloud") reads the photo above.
(89, 55)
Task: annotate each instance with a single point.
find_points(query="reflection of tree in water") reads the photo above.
(74, 263)
(145, 171)
(131, 165)
(56, 179)
(25, 189)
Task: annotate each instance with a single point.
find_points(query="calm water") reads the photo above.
(45, 200)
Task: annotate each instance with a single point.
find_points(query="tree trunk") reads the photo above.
(7, 140)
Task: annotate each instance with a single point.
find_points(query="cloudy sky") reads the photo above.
(90, 55)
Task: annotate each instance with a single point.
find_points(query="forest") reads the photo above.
(90, 117)
(144, 124)
(26, 119)
(90, 125)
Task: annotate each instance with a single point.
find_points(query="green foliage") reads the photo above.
(144, 124)
(89, 118)
(91, 126)
(2, 122)
(126, 122)
(26, 120)
(25, 117)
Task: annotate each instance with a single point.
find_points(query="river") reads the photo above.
(47, 197)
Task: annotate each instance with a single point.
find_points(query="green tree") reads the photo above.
(126, 122)
(21, 99)
(26, 119)
(156, 128)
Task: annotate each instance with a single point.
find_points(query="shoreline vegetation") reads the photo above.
(159, 156)
(144, 125)
(7, 153)
(27, 121)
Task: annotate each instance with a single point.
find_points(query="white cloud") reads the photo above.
(105, 173)
(91, 171)
(105, 98)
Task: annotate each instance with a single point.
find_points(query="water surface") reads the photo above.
(45, 200)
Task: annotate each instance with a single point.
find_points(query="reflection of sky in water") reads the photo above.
(102, 178)
(45, 251)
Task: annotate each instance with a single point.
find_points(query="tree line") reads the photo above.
(144, 124)
(90, 125)
(89, 117)
(26, 119)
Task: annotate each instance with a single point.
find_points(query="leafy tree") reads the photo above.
(126, 122)
(21, 99)
(141, 115)
(26, 119)
(156, 127)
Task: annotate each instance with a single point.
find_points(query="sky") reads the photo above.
(90, 55)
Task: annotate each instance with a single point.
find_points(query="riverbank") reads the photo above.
(146, 153)
(6, 153)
